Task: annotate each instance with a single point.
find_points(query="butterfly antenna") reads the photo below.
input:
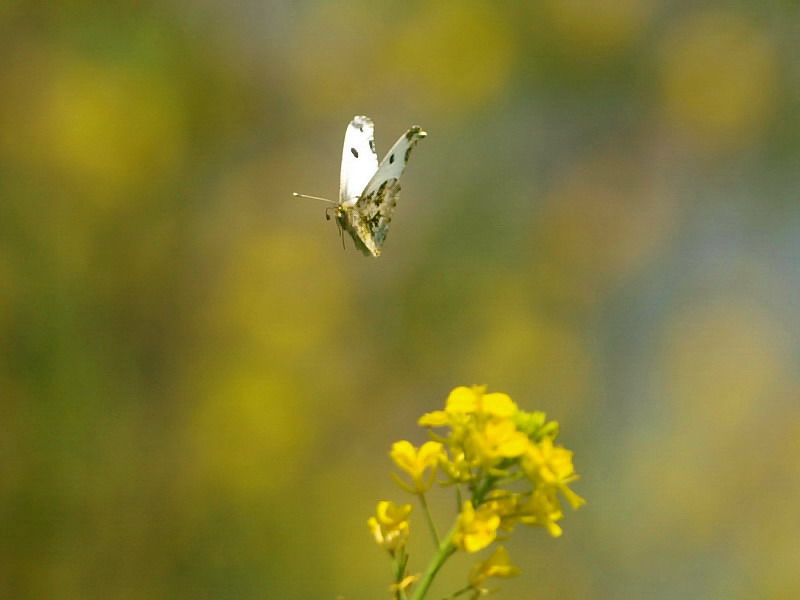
(327, 213)
(296, 195)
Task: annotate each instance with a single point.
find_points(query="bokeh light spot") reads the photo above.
(588, 27)
(110, 126)
(720, 79)
(457, 56)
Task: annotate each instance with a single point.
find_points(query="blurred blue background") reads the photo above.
(199, 388)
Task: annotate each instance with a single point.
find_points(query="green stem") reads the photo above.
(429, 518)
(444, 552)
(481, 491)
(400, 563)
(463, 590)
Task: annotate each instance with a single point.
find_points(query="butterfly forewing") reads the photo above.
(395, 161)
(377, 202)
(359, 160)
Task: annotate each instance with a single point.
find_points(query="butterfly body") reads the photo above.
(368, 190)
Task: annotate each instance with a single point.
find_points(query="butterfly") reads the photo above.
(368, 191)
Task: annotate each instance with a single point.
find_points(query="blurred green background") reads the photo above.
(199, 388)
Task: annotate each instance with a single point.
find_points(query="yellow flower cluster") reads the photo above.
(490, 444)
(506, 460)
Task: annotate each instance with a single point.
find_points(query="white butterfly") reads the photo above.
(368, 191)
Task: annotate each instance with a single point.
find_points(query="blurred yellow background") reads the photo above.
(199, 388)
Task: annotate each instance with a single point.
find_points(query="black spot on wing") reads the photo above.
(391, 159)
(354, 151)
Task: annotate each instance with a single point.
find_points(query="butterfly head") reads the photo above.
(339, 217)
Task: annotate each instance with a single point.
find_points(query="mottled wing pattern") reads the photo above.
(359, 230)
(359, 160)
(372, 212)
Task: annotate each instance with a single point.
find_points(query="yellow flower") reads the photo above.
(497, 565)
(552, 465)
(575, 501)
(458, 469)
(543, 509)
(415, 463)
(498, 405)
(437, 418)
(506, 505)
(499, 439)
(464, 400)
(476, 528)
(390, 526)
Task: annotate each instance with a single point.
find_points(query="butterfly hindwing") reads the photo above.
(359, 160)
